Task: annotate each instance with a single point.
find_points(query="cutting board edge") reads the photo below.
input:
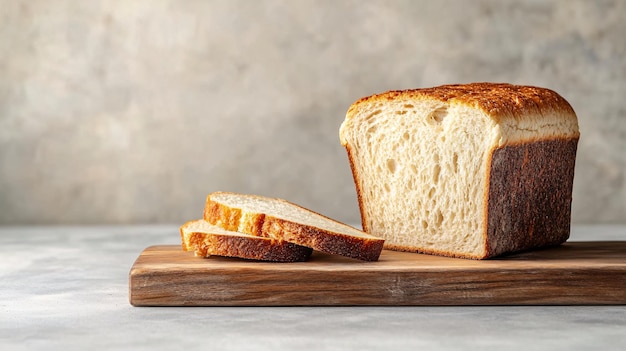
(146, 288)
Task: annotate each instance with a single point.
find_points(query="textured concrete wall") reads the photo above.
(132, 111)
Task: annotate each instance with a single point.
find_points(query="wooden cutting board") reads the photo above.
(575, 273)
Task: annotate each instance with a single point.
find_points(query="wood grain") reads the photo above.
(575, 273)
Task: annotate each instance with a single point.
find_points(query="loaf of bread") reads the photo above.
(283, 220)
(471, 171)
(206, 240)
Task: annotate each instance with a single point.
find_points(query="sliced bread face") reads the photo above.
(280, 219)
(462, 170)
(205, 240)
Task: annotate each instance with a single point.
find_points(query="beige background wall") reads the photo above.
(132, 111)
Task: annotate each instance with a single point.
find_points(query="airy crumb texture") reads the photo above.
(280, 219)
(421, 161)
(205, 240)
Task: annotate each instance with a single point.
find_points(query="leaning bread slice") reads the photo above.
(206, 240)
(280, 219)
(475, 170)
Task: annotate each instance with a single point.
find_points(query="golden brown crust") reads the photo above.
(206, 244)
(362, 248)
(182, 236)
(496, 99)
(230, 218)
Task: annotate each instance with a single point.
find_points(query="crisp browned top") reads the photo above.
(494, 98)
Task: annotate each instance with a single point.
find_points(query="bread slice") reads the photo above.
(473, 171)
(206, 240)
(280, 219)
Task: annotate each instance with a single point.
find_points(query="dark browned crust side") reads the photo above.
(530, 195)
(259, 224)
(321, 240)
(357, 184)
(253, 248)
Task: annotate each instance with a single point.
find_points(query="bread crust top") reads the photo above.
(496, 99)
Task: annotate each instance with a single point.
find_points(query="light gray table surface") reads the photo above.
(67, 288)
